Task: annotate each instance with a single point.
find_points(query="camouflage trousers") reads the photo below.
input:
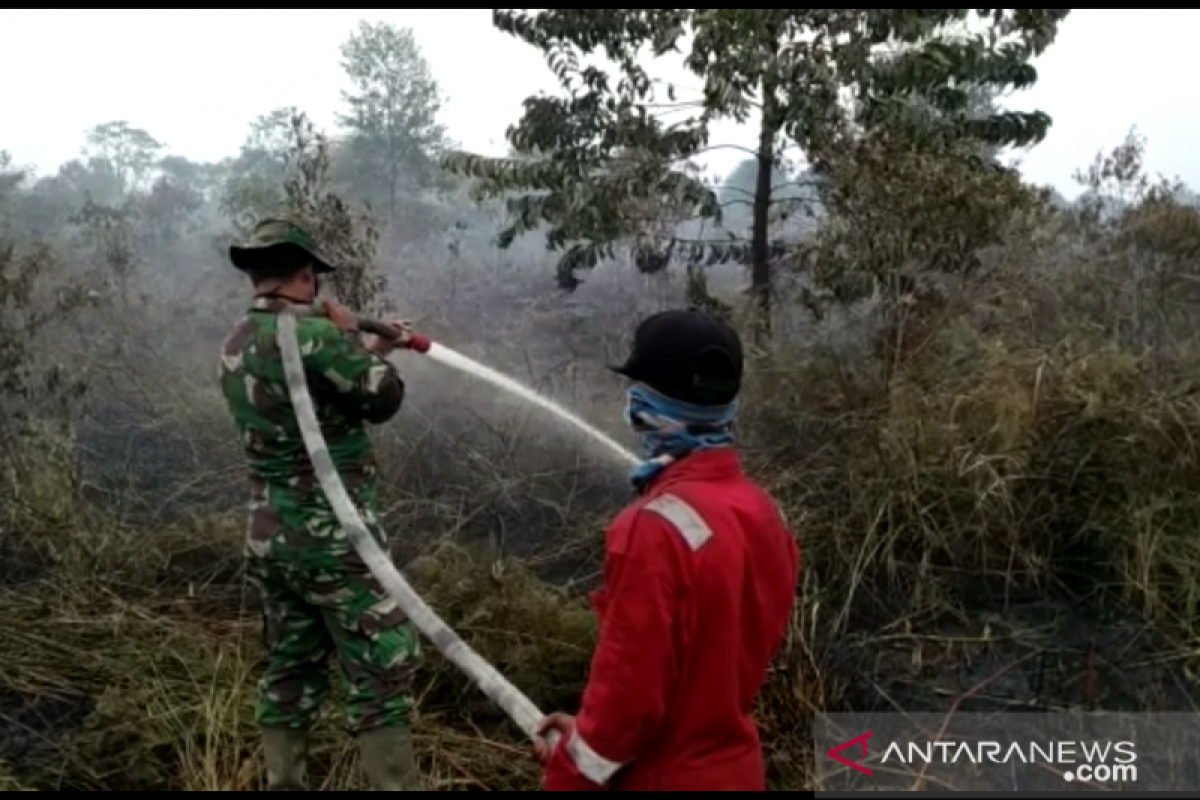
(322, 604)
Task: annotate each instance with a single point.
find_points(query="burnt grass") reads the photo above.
(20, 563)
(1037, 655)
(33, 728)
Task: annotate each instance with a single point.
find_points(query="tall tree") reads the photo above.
(792, 190)
(131, 152)
(789, 70)
(11, 176)
(392, 112)
(266, 145)
(347, 234)
(202, 179)
(95, 181)
(254, 184)
(169, 206)
(909, 173)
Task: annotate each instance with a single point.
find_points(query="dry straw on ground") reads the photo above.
(130, 670)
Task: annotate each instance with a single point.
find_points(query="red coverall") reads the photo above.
(700, 577)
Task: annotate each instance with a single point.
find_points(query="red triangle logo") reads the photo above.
(861, 741)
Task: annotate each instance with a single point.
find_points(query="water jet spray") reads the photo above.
(452, 358)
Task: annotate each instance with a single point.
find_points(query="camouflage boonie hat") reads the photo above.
(274, 233)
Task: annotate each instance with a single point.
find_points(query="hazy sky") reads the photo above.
(194, 79)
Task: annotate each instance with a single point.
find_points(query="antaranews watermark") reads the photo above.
(1007, 752)
(1087, 761)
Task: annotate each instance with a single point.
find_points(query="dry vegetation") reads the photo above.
(1005, 517)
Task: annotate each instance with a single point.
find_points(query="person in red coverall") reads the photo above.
(700, 575)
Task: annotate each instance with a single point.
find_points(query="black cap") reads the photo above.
(689, 355)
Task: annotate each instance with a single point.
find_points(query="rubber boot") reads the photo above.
(286, 753)
(389, 761)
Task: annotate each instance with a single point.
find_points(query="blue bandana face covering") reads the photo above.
(669, 430)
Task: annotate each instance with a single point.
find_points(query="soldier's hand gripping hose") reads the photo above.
(392, 335)
(398, 334)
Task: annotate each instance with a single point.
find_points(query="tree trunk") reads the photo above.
(760, 256)
(393, 181)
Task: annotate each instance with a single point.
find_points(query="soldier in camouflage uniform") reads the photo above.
(318, 597)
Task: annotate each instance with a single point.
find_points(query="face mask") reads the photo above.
(627, 413)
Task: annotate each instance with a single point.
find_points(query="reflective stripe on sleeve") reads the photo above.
(593, 766)
(691, 526)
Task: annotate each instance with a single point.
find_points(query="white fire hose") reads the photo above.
(519, 708)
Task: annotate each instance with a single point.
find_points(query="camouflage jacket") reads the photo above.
(350, 387)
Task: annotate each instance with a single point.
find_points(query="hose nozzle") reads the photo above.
(408, 340)
(418, 343)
